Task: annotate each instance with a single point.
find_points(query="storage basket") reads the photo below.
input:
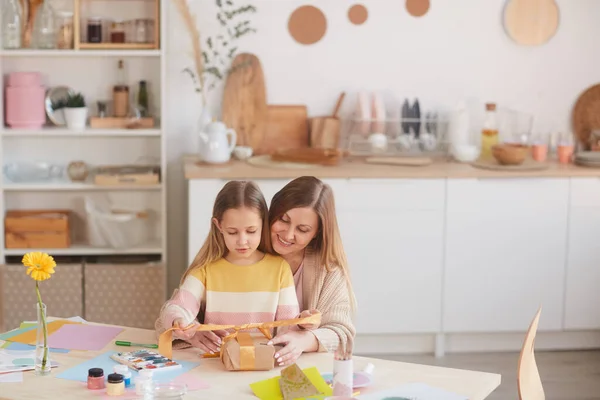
(117, 227)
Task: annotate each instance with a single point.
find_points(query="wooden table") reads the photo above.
(235, 385)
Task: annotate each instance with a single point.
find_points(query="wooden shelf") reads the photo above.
(117, 46)
(84, 249)
(80, 53)
(67, 186)
(88, 132)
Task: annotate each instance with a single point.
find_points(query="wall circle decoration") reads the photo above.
(531, 23)
(307, 24)
(358, 14)
(417, 8)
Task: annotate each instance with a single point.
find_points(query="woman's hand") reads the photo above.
(180, 333)
(308, 313)
(296, 343)
(208, 341)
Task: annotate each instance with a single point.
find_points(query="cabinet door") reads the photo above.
(505, 253)
(62, 294)
(583, 273)
(392, 230)
(124, 294)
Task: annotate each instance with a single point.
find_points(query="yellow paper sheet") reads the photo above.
(269, 388)
(29, 337)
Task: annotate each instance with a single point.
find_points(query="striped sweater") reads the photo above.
(235, 294)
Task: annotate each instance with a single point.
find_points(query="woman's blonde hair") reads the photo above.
(235, 194)
(311, 192)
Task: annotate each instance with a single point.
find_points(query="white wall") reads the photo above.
(458, 50)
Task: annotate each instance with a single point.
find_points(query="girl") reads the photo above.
(232, 280)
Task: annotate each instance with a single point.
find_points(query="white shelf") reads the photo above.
(66, 186)
(88, 132)
(149, 248)
(79, 53)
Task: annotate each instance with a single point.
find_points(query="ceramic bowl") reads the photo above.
(510, 154)
(465, 152)
(242, 152)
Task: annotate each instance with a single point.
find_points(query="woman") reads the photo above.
(305, 232)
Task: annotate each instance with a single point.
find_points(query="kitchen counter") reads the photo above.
(357, 168)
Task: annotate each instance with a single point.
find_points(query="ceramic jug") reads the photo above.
(217, 142)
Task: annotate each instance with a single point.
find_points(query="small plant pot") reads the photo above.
(76, 118)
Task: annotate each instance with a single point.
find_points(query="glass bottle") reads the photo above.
(12, 24)
(44, 27)
(489, 133)
(143, 99)
(121, 93)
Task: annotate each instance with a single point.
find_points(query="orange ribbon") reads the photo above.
(165, 341)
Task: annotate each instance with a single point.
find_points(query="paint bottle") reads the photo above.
(95, 379)
(115, 385)
(343, 372)
(143, 380)
(124, 370)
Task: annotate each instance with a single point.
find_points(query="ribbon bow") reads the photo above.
(165, 341)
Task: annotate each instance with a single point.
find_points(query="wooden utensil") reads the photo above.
(244, 101)
(309, 156)
(531, 22)
(286, 127)
(32, 8)
(325, 131)
(403, 161)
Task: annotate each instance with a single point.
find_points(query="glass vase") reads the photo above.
(42, 352)
(12, 23)
(44, 27)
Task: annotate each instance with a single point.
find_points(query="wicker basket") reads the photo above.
(510, 154)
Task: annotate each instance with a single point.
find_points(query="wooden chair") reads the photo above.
(529, 382)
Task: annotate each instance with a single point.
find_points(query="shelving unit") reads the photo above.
(89, 68)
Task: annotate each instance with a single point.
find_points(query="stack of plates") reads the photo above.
(588, 159)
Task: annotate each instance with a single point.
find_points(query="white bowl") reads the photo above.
(242, 152)
(465, 152)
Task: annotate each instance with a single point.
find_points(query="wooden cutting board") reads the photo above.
(286, 128)
(531, 22)
(245, 101)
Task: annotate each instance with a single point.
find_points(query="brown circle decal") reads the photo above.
(307, 25)
(357, 14)
(417, 8)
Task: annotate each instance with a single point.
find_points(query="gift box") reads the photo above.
(246, 352)
(241, 351)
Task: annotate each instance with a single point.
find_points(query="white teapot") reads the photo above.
(215, 147)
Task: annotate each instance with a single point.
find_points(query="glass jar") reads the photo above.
(12, 23)
(64, 34)
(117, 32)
(141, 30)
(44, 27)
(94, 30)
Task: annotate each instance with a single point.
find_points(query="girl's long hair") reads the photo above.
(311, 192)
(235, 194)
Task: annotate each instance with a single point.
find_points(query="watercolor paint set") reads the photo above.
(145, 359)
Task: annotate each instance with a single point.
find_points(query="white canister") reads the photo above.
(342, 377)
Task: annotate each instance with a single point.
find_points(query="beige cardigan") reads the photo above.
(324, 291)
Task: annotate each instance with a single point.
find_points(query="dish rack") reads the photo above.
(425, 136)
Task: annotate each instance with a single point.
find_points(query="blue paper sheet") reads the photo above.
(23, 346)
(80, 371)
(15, 332)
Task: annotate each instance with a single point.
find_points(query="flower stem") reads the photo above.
(44, 327)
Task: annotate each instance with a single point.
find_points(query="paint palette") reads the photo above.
(359, 379)
(145, 359)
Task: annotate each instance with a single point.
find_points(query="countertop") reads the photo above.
(357, 168)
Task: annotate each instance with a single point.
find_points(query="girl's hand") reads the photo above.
(180, 333)
(208, 341)
(308, 313)
(296, 343)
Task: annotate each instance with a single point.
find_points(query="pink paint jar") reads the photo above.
(25, 101)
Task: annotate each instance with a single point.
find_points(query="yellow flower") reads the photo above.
(39, 265)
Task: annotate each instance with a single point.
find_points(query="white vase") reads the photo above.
(76, 117)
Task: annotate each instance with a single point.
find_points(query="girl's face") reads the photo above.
(241, 229)
(294, 230)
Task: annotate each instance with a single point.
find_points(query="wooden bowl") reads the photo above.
(510, 154)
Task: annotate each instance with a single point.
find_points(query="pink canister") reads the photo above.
(25, 101)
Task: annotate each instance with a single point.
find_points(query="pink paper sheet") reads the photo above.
(83, 337)
(192, 381)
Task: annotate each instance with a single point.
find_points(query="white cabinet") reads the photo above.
(392, 230)
(583, 271)
(505, 253)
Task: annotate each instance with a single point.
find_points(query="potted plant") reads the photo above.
(75, 111)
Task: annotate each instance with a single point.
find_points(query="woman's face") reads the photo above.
(294, 230)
